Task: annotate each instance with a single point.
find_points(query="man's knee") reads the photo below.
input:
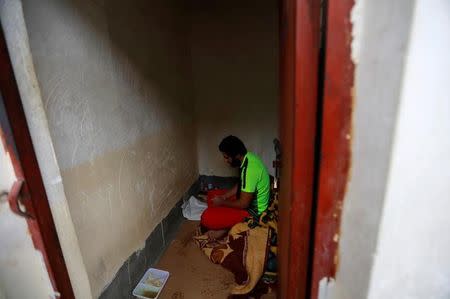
(205, 219)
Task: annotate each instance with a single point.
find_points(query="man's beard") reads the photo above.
(235, 163)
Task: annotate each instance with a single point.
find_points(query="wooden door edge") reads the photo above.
(299, 57)
(335, 151)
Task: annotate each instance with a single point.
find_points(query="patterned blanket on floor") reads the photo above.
(249, 250)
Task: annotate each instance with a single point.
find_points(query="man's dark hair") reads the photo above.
(232, 146)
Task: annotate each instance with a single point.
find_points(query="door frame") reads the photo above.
(335, 148)
(18, 144)
(299, 78)
(315, 131)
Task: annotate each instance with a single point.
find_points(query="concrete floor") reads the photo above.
(192, 275)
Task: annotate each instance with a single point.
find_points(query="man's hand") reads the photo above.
(218, 200)
(242, 203)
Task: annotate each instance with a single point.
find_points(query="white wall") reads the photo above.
(235, 71)
(412, 259)
(114, 78)
(394, 241)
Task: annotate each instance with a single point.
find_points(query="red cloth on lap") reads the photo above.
(216, 218)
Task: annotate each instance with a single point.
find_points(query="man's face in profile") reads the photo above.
(232, 161)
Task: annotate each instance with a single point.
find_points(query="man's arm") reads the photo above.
(231, 192)
(228, 194)
(243, 201)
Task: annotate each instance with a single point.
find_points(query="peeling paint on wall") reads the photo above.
(357, 19)
(326, 285)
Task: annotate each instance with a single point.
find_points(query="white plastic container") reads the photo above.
(151, 284)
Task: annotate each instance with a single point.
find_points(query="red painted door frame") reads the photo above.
(17, 141)
(335, 141)
(299, 37)
(315, 141)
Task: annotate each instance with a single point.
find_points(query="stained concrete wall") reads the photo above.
(235, 70)
(114, 78)
(392, 241)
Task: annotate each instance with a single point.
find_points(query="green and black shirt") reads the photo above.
(255, 179)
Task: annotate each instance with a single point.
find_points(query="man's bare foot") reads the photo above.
(216, 234)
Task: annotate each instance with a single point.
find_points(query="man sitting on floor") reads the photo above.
(249, 197)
